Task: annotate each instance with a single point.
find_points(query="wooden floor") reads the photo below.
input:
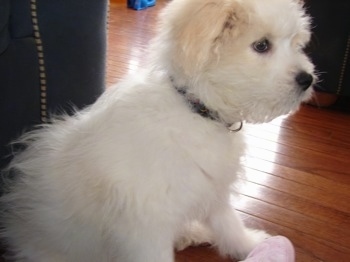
(298, 168)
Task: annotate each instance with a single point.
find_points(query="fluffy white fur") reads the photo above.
(123, 179)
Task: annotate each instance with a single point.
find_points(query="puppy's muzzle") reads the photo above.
(304, 80)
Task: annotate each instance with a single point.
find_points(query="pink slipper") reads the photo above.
(273, 249)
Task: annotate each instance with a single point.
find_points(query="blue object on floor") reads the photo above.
(140, 4)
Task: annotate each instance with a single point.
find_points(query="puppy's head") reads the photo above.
(244, 59)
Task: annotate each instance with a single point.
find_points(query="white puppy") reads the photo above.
(120, 180)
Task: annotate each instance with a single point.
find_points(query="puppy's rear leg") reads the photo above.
(145, 245)
(230, 235)
(193, 234)
(149, 252)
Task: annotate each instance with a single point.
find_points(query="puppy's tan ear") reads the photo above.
(200, 28)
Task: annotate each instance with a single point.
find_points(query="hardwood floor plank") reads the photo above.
(273, 194)
(288, 148)
(312, 142)
(335, 128)
(129, 34)
(300, 177)
(325, 197)
(330, 168)
(295, 220)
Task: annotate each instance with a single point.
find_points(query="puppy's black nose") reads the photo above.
(304, 80)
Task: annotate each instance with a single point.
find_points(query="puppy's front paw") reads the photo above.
(253, 237)
(256, 235)
(194, 234)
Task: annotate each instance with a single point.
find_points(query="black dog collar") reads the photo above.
(198, 107)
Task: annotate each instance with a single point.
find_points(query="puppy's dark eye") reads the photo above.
(262, 46)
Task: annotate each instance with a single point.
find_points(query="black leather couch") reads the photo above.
(52, 56)
(330, 46)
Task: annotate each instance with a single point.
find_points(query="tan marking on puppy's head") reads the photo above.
(201, 30)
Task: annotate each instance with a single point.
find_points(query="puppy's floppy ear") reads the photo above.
(201, 27)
